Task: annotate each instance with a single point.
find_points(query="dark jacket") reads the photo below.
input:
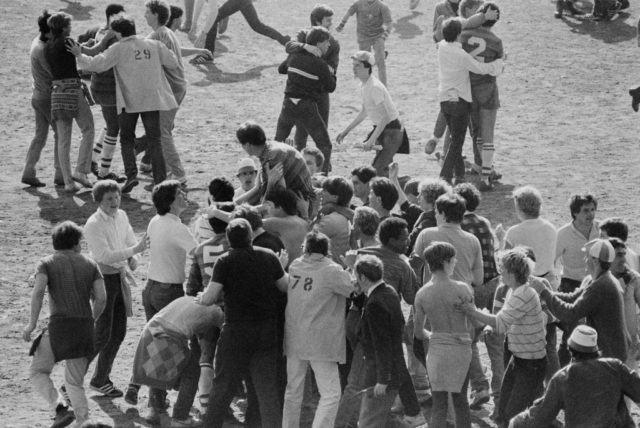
(308, 77)
(381, 337)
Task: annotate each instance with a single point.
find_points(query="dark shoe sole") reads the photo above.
(33, 182)
(129, 185)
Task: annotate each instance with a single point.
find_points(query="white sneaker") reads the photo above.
(415, 421)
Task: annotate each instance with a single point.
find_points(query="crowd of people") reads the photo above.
(362, 296)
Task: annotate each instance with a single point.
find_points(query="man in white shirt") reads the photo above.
(378, 106)
(113, 246)
(454, 93)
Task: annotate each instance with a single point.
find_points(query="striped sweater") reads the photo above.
(522, 319)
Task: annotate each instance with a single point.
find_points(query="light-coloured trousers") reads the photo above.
(328, 380)
(84, 119)
(75, 369)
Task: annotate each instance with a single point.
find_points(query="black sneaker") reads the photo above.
(635, 98)
(128, 186)
(113, 176)
(108, 390)
(63, 418)
(65, 396)
(131, 396)
(94, 169)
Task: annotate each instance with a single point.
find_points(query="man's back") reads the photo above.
(291, 230)
(484, 46)
(607, 316)
(40, 70)
(308, 76)
(397, 271)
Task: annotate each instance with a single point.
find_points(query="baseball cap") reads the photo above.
(583, 339)
(600, 249)
(364, 56)
(246, 163)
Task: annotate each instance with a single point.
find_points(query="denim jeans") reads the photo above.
(300, 138)
(349, 406)
(42, 110)
(390, 140)
(477, 375)
(460, 406)
(305, 114)
(250, 15)
(522, 383)
(247, 347)
(111, 329)
(151, 122)
(456, 114)
(495, 343)
(567, 285)
(84, 119)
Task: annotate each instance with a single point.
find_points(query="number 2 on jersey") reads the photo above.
(481, 46)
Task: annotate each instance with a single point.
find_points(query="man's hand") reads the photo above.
(491, 15)
(349, 258)
(206, 53)
(73, 47)
(143, 244)
(198, 298)
(394, 170)
(26, 334)
(275, 174)
(341, 136)
(487, 331)
(314, 50)
(379, 390)
(283, 256)
(464, 306)
(500, 232)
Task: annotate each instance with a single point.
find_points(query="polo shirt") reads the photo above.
(569, 246)
(540, 235)
(170, 242)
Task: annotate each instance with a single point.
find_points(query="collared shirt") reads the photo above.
(170, 242)
(377, 102)
(138, 64)
(468, 250)
(454, 66)
(569, 250)
(110, 240)
(540, 235)
(481, 229)
(40, 71)
(522, 319)
(370, 290)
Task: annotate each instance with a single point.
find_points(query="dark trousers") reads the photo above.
(151, 122)
(407, 394)
(305, 114)
(252, 348)
(155, 296)
(301, 135)
(522, 383)
(456, 113)
(566, 286)
(246, 8)
(460, 407)
(111, 328)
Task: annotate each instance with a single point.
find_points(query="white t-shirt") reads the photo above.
(170, 242)
(540, 235)
(315, 314)
(377, 102)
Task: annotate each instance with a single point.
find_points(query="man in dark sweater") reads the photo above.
(321, 15)
(599, 300)
(308, 78)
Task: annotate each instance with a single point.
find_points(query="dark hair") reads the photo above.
(176, 12)
(364, 173)
(437, 253)
(317, 154)
(58, 22)
(164, 194)
(217, 225)
(411, 187)
(470, 194)
(221, 190)
(451, 29)
(316, 242)
(317, 35)
(615, 227)
(251, 133)
(66, 235)
(125, 26)
(319, 12)
(104, 186)
(283, 198)
(113, 9)
(43, 27)
(250, 214)
(340, 187)
(518, 263)
(432, 188)
(239, 233)
(452, 206)
(617, 243)
(370, 267)
(583, 356)
(578, 200)
(485, 8)
(367, 220)
(528, 251)
(390, 228)
(159, 8)
(92, 424)
(383, 188)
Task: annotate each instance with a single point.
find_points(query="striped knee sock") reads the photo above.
(108, 148)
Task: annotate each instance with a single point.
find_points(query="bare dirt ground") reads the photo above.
(565, 125)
